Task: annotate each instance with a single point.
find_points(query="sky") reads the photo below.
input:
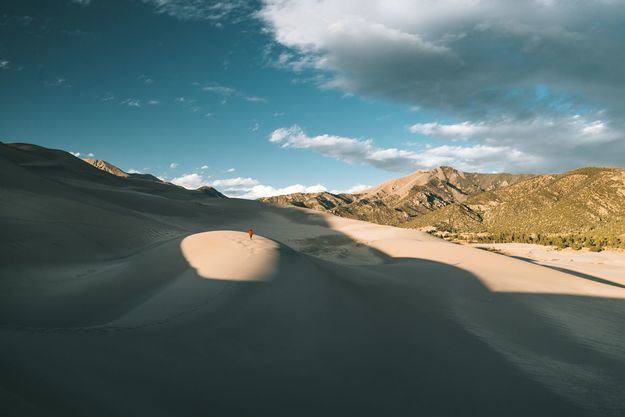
(260, 98)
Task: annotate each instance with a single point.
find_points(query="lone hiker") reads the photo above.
(251, 233)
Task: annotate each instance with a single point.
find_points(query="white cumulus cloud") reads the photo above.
(565, 142)
(235, 182)
(356, 189)
(243, 187)
(575, 130)
(362, 151)
(190, 181)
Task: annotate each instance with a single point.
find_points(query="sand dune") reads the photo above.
(231, 255)
(121, 299)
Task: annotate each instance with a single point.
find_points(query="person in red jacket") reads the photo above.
(251, 233)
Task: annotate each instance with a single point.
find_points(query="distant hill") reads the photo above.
(398, 201)
(208, 191)
(66, 168)
(584, 207)
(107, 167)
(118, 172)
(580, 208)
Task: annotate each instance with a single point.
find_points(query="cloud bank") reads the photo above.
(505, 68)
(241, 187)
(363, 151)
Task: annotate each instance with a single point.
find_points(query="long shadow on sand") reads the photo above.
(572, 272)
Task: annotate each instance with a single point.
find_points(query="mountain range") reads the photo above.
(584, 207)
(580, 208)
(400, 200)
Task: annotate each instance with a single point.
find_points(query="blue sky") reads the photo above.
(259, 98)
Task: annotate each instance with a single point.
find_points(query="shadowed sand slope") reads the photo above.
(128, 302)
